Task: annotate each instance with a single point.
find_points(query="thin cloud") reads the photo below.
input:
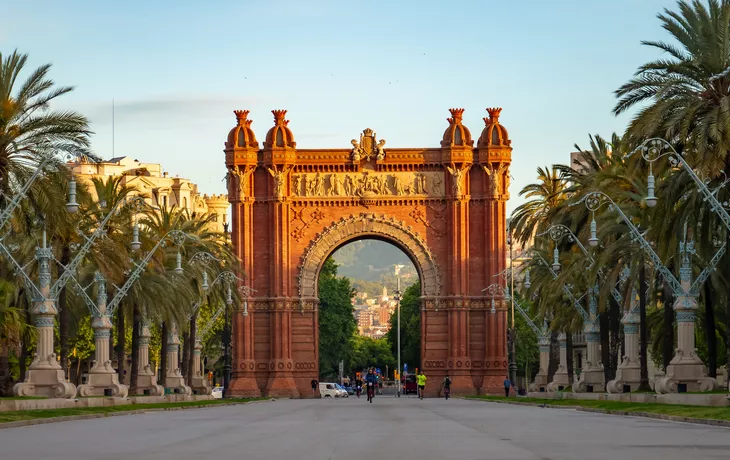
(168, 107)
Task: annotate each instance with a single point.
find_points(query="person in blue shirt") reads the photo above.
(507, 386)
(371, 380)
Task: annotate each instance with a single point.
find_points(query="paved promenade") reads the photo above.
(352, 429)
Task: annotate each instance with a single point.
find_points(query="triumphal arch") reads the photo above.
(443, 206)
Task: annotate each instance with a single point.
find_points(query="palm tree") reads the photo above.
(29, 130)
(685, 99)
(545, 196)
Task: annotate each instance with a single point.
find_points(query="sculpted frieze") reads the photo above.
(429, 183)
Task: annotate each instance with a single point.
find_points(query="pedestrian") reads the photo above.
(507, 385)
(315, 384)
(421, 379)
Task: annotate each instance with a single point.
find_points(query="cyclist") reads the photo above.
(421, 384)
(358, 386)
(371, 380)
(447, 386)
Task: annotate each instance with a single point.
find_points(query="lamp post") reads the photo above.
(102, 377)
(198, 382)
(592, 374)
(686, 371)
(397, 301)
(543, 335)
(45, 376)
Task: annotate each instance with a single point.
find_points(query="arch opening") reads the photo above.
(367, 226)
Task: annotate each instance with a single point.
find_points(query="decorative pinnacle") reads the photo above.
(279, 117)
(241, 116)
(494, 114)
(456, 116)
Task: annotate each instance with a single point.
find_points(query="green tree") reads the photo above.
(28, 129)
(526, 348)
(336, 318)
(684, 97)
(410, 323)
(368, 352)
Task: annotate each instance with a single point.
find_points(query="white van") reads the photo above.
(329, 390)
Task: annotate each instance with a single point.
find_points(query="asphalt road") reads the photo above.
(352, 429)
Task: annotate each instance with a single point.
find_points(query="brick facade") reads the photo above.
(444, 207)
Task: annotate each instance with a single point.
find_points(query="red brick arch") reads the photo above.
(292, 207)
(365, 225)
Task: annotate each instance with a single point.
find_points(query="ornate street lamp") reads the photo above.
(685, 293)
(44, 378)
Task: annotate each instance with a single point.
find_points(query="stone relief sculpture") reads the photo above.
(278, 181)
(458, 182)
(495, 174)
(398, 186)
(335, 185)
(236, 182)
(368, 148)
(420, 184)
(436, 185)
(356, 150)
(305, 184)
(349, 186)
(297, 185)
(316, 186)
(379, 150)
(319, 184)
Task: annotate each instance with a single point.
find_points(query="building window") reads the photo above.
(185, 203)
(164, 201)
(457, 137)
(279, 138)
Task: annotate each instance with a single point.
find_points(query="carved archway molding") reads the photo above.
(362, 226)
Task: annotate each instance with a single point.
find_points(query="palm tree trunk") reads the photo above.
(710, 328)
(185, 358)
(136, 324)
(555, 353)
(191, 356)
(643, 334)
(121, 344)
(569, 350)
(163, 356)
(727, 341)
(5, 380)
(25, 346)
(64, 315)
(668, 345)
(615, 333)
(605, 335)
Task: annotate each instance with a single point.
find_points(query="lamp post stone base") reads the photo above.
(591, 380)
(685, 373)
(540, 383)
(561, 379)
(541, 378)
(45, 382)
(147, 384)
(101, 379)
(45, 376)
(199, 383)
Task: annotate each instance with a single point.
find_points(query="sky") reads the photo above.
(176, 70)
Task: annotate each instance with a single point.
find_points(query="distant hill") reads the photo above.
(370, 264)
